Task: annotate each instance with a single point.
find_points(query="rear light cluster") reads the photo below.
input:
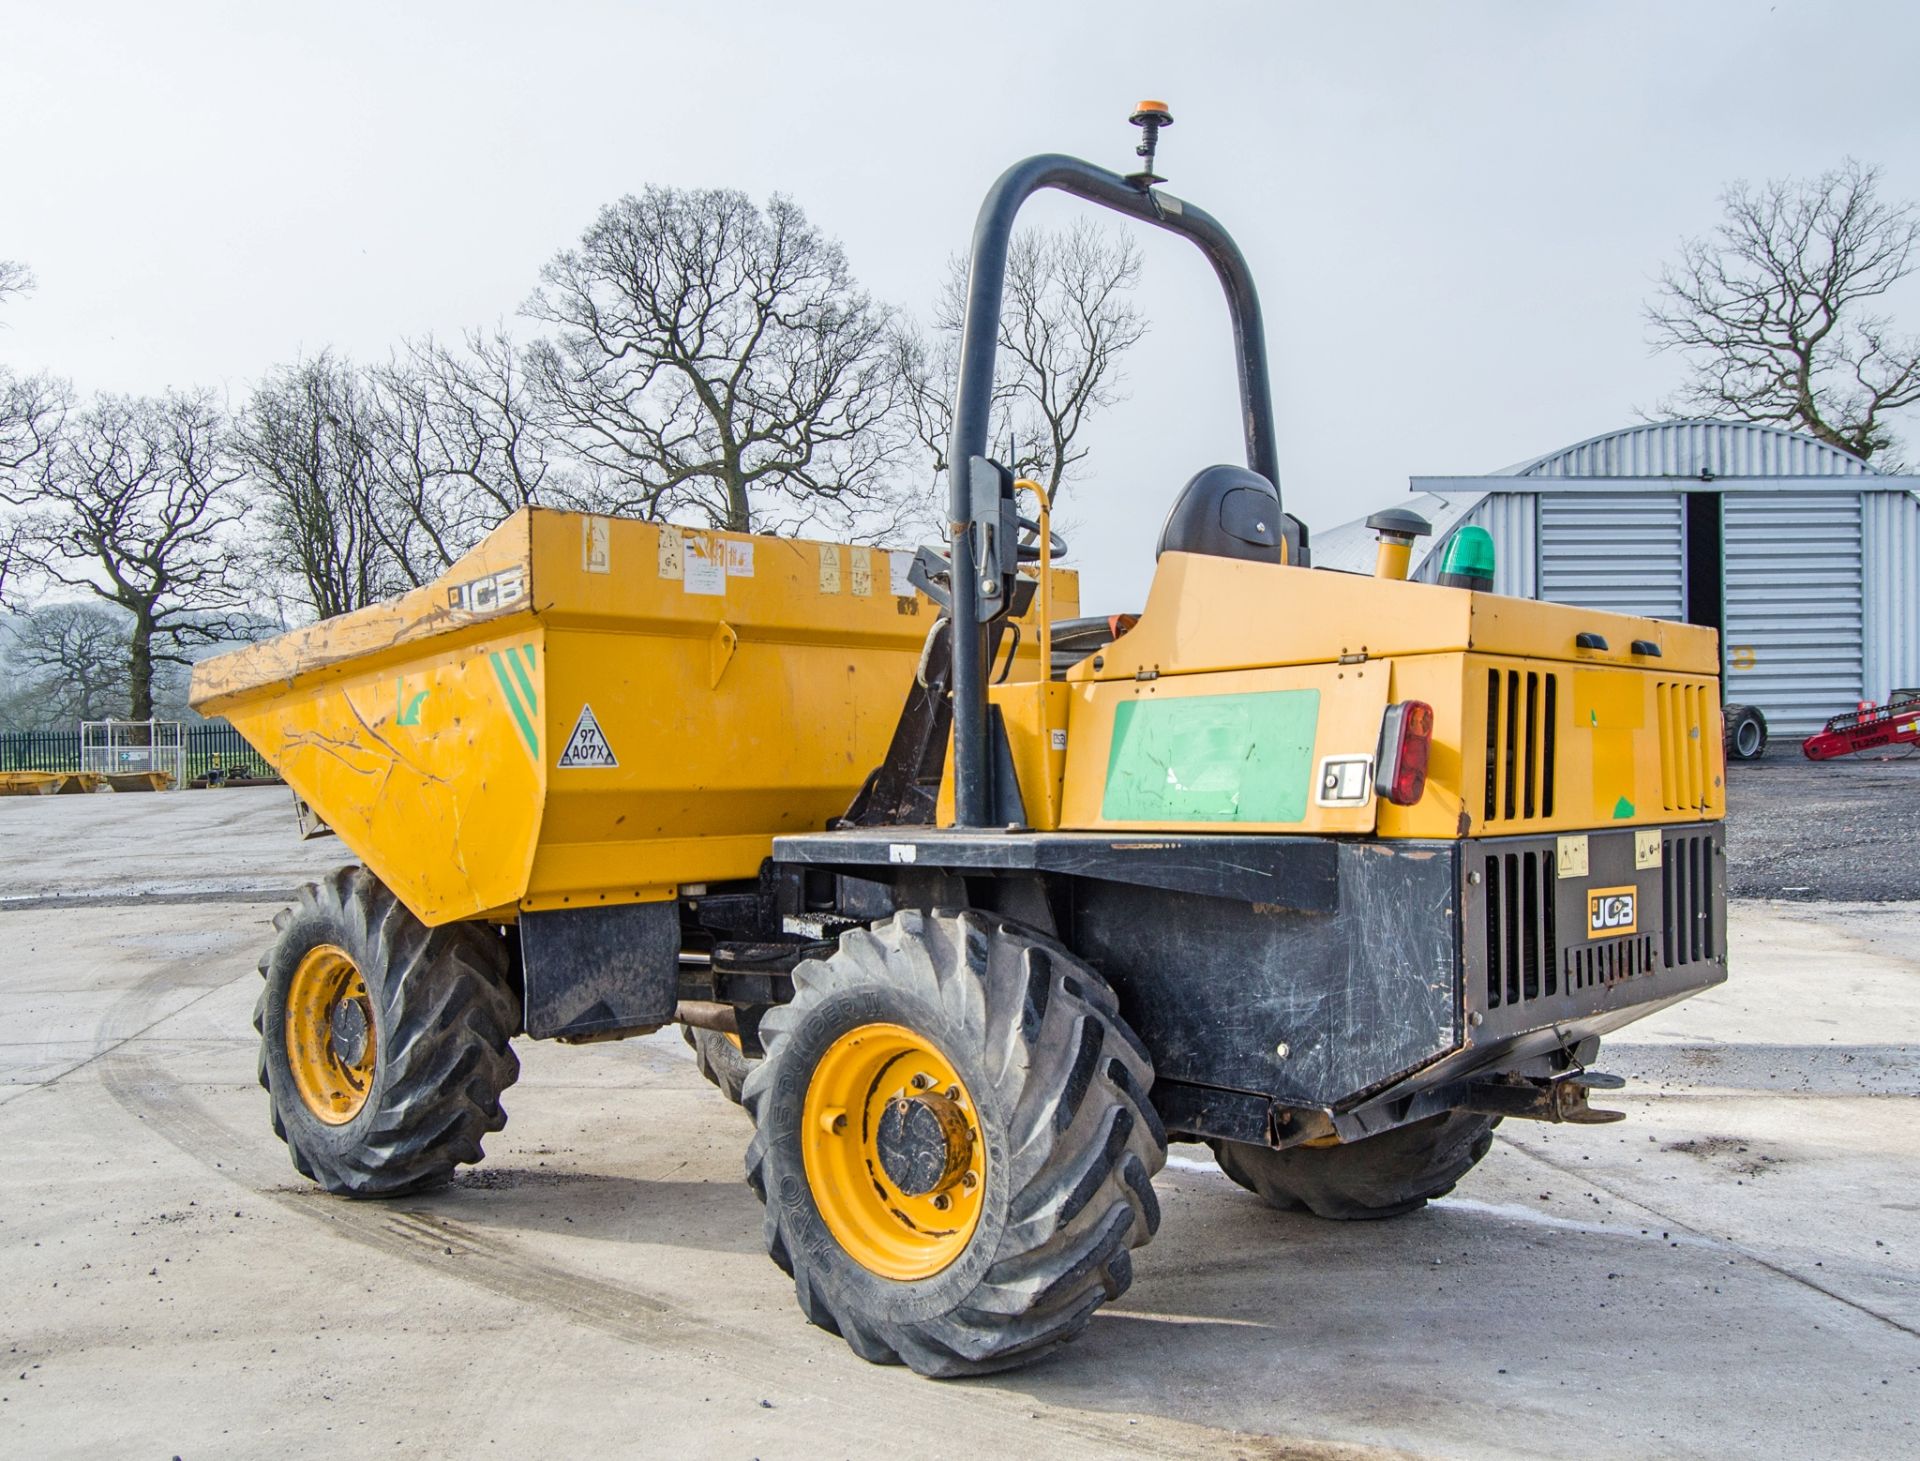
(1406, 734)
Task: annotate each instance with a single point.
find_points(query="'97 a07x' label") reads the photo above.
(1612, 912)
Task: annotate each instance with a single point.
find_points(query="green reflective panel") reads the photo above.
(1212, 758)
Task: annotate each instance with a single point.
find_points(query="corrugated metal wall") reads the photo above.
(1821, 552)
(1510, 518)
(1890, 528)
(1688, 448)
(1793, 642)
(1620, 551)
(1513, 520)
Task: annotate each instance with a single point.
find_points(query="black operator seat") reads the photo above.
(1230, 512)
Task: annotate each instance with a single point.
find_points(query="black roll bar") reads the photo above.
(973, 512)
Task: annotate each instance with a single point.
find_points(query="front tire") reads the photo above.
(720, 1059)
(384, 1044)
(1381, 1176)
(953, 1142)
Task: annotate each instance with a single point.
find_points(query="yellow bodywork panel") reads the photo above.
(1206, 613)
(1530, 745)
(1268, 678)
(590, 710)
(1229, 750)
(1035, 715)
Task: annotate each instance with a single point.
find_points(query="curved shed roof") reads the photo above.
(1350, 546)
(1689, 448)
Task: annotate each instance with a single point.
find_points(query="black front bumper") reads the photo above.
(1446, 964)
(1532, 957)
(1539, 980)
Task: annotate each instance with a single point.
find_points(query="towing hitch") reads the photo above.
(1557, 1100)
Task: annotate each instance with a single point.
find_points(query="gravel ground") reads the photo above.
(1832, 831)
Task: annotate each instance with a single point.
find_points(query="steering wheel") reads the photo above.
(1027, 546)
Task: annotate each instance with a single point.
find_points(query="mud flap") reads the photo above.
(599, 972)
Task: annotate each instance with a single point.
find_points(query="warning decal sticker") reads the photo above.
(706, 564)
(596, 545)
(587, 746)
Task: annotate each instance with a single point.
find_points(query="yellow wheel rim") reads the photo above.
(330, 1034)
(894, 1158)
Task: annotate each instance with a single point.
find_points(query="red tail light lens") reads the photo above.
(1406, 735)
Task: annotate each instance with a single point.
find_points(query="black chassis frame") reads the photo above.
(1287, 987)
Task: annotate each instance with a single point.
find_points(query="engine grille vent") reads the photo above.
(1521, 937)
(1686, 759)
(1596, 964)
(1686, 878)
(1522, 711)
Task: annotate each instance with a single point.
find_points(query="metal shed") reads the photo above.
(1805, 558)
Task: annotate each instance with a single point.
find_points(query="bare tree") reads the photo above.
(716, 358)
(493, 432)
(461, 441)
(136, 505)
(376, 479)
(32, 408)
(1777, 311)
(15, 278)
(305, 441)
(1067, 319)
(13, 556)
(68, 662)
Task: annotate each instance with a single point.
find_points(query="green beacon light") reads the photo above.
(1469, 560)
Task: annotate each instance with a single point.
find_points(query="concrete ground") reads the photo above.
(1735, 1271)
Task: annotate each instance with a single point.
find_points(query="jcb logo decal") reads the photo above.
(1612, 912)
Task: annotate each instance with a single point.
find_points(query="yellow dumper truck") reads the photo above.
(974, 903)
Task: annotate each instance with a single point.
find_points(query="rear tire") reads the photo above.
(426, 1027)
(1746, 733)
(1378, 1177)
(720, 1060)
(1056, 1141)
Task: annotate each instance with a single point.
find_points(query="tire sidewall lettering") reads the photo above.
(836, 1274)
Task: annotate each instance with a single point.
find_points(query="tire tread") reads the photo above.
(449, 1016)
(1082, 1139)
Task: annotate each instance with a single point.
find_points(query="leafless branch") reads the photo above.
(137, 505)
(68, 662)
(304, 440)
(1066, 321)
(716, 358)
(15, 278)
(1775, 310)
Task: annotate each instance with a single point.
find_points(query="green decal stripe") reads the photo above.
(1212, 758)
(513, 704)
(533, 701)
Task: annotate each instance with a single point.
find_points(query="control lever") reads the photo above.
(932, 574)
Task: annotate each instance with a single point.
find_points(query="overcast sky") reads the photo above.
(1453, 210)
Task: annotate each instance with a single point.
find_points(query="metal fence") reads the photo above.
(135, 747)
(215, 744)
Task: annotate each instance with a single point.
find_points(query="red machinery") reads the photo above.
(1897, 723)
